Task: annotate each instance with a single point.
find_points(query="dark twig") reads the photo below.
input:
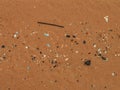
(50, 24)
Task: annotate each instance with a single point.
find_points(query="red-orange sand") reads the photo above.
(82, 54)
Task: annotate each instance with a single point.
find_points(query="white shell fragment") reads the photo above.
(106, 18)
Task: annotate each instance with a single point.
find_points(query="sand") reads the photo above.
(59, 44)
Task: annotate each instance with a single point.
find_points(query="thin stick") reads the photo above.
(50, 24)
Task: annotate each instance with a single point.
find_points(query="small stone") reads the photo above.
(33, 58)
(48, 45)
(74, 36)
(114, 74)
(87, 62)
(110, 30)
(104, 58)
(66, 59)
(68, 36)
(46, 34)
(106, 18)
(28, 67)
(44, 56)
(16, 34)
(40, 52)
(94, 45)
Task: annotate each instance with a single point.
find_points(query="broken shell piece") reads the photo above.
(16, 34)
(106, 18)
(44, 56)
(33, 33)
(94, 45)
(48, 45)
(99, 50)
(66, 59)
(76, 51)
(117, 54)
(105, 52)
(46, 34)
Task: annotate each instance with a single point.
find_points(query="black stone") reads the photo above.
(103, 58)
(33, 58)
(87, 62)
(68, 36)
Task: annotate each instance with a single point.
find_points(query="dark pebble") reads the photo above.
(87, 62)
(3, 46)
(74, 36)
(33, 58)
(103, 58)
(40, 52)
(68, 36)
(84, 42)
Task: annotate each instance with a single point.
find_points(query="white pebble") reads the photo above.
(46, 34)
(76, 51)
(66, 59)
(113, 74)
(26, 47)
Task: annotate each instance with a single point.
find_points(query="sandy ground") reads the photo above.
(82, 54)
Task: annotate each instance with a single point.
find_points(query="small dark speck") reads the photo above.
(4, 57)
(33, 58)
(89, 53)
(54, 66)
(95, 54)
(87, 62)
(53, 62)
(76, 42)
(92, 86)
(74, 36)
(9, 50)
(37, 48)
(99, 55)
(110, 30)
(118, 36)
(77, 80)
(41, 81)
(68, 36)
(43, 61)
(84, 42)
(105, 87)
(57, 46)
(55, 81)
(9, 89)
(3, 46)
(40, 52)
(72, 40)
(103, 58)
(24, 78)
